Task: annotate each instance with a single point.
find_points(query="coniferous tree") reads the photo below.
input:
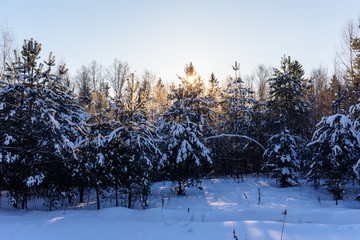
(286, 106)
(338, 94)
(184, 123)
(133, 147)
(335, 146)
(213, 97)
(282, 158)
(237, 104)
(214, 88)
(145, 93)
(40, 125)
(93, 146)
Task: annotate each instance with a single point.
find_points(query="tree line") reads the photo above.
(107, 131)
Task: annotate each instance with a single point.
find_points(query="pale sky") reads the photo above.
(165, 35)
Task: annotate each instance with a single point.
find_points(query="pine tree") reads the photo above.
(188, 159)
(286, 106)
(335, 146)
(133, 149)
(337, 95)
(40, 125)
(237, 102)
(94, 144)
(213, 97)
(214, 88)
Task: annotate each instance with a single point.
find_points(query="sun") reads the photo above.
(191, 79)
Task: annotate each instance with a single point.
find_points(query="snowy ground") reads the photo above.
(222, 206)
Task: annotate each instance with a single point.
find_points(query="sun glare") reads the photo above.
(191, 79)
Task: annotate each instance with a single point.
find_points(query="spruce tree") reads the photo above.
(184, 122)
(335, 146)
(287, 107)
(282, 158)
(214, 88)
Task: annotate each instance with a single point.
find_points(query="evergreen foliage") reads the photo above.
(335, 146)
(40, 122)
(236, 156)
(55, 145)
(283, 158)
(133, 147)
(185, 121)
(286, 106)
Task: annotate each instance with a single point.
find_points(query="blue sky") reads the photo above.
(163, 36)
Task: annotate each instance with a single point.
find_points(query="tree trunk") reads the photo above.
(180, 189)
(116, 194)
(97, 198)
(24, 203)
(129, 200)
(81, 190)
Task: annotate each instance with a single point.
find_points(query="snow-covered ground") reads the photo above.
(213, 213)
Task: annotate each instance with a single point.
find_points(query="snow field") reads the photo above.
(213, 213)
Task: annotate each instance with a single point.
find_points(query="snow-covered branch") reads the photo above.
(238, 136)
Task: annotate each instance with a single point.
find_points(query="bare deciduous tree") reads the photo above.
(346, 63)
(117, 74)
(6, 47)
(148, 80)
(159, 96)
(149, 77)
(262, 74)
(346, 53)
(249, 81)
(96, 75)
(228, 81)
(83, 85)
(319, 95)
